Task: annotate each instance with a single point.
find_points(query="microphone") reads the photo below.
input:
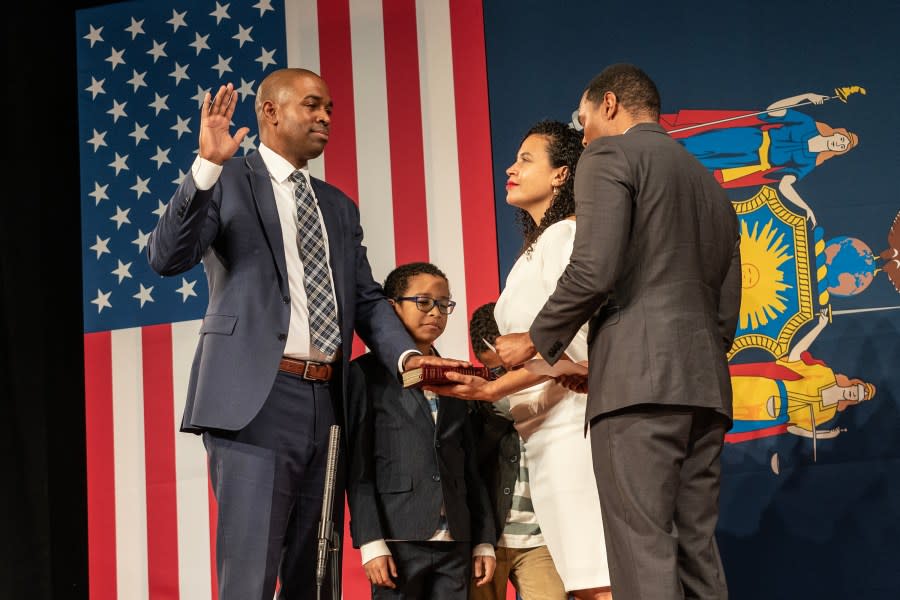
(326, 524)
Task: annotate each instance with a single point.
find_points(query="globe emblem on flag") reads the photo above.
(851, 266)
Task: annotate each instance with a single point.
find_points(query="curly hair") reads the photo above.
(397, 281)
(482, 326)
(563, 149)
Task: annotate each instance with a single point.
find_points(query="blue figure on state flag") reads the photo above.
(778, 145)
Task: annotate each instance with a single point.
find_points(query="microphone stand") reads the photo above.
(329, 546)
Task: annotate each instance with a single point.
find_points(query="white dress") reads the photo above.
(551, 420)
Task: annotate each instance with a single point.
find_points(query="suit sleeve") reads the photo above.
(186, 229)
(365, 521)
(483, 529)
(603, 221)
(730, 299)
(376, 321)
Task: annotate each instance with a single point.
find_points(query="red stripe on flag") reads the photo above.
(213, 520)
(336, 66)
(101, 495)
(473, 139)
(745, 436)
(336, 60)
(401, 58)
(159, 458)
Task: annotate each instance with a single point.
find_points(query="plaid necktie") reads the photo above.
(323, 323)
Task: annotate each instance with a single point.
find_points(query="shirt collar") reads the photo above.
(278, 166)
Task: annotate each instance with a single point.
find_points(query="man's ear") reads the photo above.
(610, 105)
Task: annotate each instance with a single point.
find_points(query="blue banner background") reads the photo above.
(829, 528)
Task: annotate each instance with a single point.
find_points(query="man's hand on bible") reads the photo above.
(414, 361)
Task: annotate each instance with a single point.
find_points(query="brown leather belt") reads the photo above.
(307, 369)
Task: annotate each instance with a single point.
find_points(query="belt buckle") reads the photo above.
(306, 374)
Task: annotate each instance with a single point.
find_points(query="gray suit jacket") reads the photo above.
(656, 271)
(234, 229)
(403, 465)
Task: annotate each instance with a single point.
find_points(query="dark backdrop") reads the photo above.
(42, 504)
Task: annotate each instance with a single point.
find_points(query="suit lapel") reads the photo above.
(334, 228)
(264, 198)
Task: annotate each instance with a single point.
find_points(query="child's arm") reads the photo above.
(483, 529)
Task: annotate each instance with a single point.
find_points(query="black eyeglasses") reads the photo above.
(426, 303)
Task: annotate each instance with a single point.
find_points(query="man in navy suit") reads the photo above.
(288, 284)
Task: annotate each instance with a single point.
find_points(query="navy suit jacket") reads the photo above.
(403, 464)
(235, 230)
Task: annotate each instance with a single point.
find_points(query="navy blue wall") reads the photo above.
(825, 528)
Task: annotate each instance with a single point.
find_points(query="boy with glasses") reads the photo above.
(419, 511)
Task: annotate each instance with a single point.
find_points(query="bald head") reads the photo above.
(293, 110)
(277, 83)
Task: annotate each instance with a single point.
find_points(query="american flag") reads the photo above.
(410, 142)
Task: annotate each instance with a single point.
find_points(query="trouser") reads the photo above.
(268, 481)
(658, 472)
(433, 570)
(531, 572)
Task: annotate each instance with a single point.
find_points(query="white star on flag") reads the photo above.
(93, 35)
(220, 13)
(99, 193)
(140, 186)
(136, 28)
(96, 88)
(159, 209)
(144, 294)
(115, 58)
(122, 271)
(117, 110)
(141, 240)
(120, 163)
(101, 247)
(157, 51)
(186, 289)
(121, 217)
(177, 20)
(102, 300)
(97, 140)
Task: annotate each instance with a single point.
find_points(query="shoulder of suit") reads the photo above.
(322, 185)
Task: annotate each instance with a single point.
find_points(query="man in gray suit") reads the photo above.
(288, 284)
(656, 271)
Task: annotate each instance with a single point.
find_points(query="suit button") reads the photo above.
(506, 491)
(282, 337)
(437, 443)
(513, 458)
(286, 299)
(436, 477)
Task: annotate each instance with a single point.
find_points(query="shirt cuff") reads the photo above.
(205, 173)
(374, 549)
(484, 550)
(403, 358)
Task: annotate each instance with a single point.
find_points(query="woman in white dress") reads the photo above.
(548, 416)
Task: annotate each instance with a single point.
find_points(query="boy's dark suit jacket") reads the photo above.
(403, 465)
